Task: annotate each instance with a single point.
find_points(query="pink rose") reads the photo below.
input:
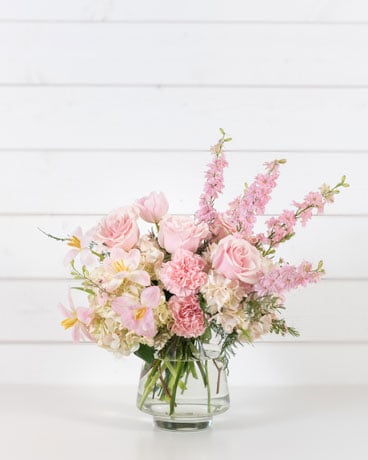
(237, 259)
(153, 207)
(222, 227)
(184, 274)
(181, 232)
(119, 229)
(188, 316)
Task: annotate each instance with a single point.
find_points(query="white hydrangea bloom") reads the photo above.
(221, 293)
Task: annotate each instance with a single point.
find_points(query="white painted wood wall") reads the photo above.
(103, 101)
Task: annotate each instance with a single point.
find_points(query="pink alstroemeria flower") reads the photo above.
(77, 318)
(79, 242)
(121, 265)
(137, 315)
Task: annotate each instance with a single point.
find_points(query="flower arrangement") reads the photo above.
(191, 280)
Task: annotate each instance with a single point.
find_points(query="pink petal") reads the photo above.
(65, 311)
(70, 255)
(120, 304)
(76, 334)
(151, 296)
(132, 259)
(86, 333)
(86, 257)
(117, 254)
(146, 326)
(78, 232)
(84, 315)
(87, 237)
(140, 277)
(127, 317)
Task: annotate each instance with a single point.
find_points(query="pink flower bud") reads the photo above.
(153, 207)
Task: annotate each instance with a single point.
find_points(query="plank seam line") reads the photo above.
(41, 150)
(169, 86)
(104, 21)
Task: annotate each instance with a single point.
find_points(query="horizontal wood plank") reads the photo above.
(26, 252)
(182, 54)
(95, 182)
(264, 364)
(191, 10)
(328, 311)
(186, 118)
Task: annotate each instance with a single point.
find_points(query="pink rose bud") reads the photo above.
(153, 207)
(237, 259)
(181, 232)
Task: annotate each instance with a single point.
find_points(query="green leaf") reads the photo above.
(320, 265)
(182, 385)
(206, 336)
(222, 131)
(202, 303)
(293, 332)
(88, 291)
(146, 353)
(245, 334)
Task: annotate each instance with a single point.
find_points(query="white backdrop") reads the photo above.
(103, 101)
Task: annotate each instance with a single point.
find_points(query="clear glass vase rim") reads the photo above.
(189, 358)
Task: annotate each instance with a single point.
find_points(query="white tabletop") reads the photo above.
(101, 422)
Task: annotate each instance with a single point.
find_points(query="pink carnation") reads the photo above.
(184, 274)
(188, 316)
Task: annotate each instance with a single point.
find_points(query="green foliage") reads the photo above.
(228, 342)
(146, 353)
(279, 327)
(202, 303)
(86, 290)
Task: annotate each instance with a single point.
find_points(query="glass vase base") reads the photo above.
(182, 425)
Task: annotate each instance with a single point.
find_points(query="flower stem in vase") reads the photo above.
(151, 382)
(176, 382)
(208, 388)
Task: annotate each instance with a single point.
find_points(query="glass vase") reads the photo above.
(183, 394)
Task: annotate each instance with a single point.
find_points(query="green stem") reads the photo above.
(186, 372)
(175, 387)
(208, 389)
(164, 386)
(150, 383)
(203, 373)
(52, 236)
(219, 370)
